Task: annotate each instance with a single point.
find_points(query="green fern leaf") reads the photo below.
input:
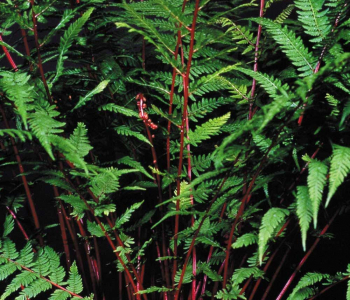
(269, 223)
(78, 204)
(316, 182)
(285, 14)
(44, 126)
(127, 160)
(57, 272)
(17, 89)
(75, 283)
(272, 86)
(307, 280)
(345, 114)
(291, 45)
(245, 240)
(8, 226)
(154, 289)
(6, 270)
(36, 287)
(340, 168)
(239, 34)
(8, 249)
(95, 229)
(107, 181)
(208, 129)
(15, 133)
(333, 102)
(314, 21)
(67, 40)
(80, 140)
(23, 279)
(201, 108)
(119, 109)
(82, 101)
(304, 211)
(242, 274)
(125, 130)
(125, 217)
(59, 295)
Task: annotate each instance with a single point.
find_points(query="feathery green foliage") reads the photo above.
(304, 211)
(316, 182)
(340, 167)
(133, 130)
(269, 223)
(291, 45)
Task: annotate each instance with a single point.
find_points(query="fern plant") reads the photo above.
(165, 149)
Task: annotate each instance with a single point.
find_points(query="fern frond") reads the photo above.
(313, 19)
(208, 129)
(285, 14)
(44, 126)
(154, 289)
(333, 102)
(291, 45)
(119, 109)
(127, 160)
(239, 34)
(98, 89)
(269, 223)
(74, 281)
(304, 212)
(8, 226)
(345, 114)
(245, 240)
(273, 86)
(17, 89)
(242, 274)
(316, 182)
(67, 40)
(201, 108)
(340, 168)
(80, 140)
(125, 217)
(15, 133)
(309, 279)
(125, 130)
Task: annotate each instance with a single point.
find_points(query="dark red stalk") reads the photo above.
(304, 259)
(63, 229)
(182, 135)
(275, 274)
(8, 56)
(107, 234)
(37, 45)
(242, 206)
(147, 122)
(24, 178)
(89, 259)
(329, 287)
(267, 264)
(216, 285)
(196, 234)
(73, 236)
(13, 215)
(116, 252)
(212, 247)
